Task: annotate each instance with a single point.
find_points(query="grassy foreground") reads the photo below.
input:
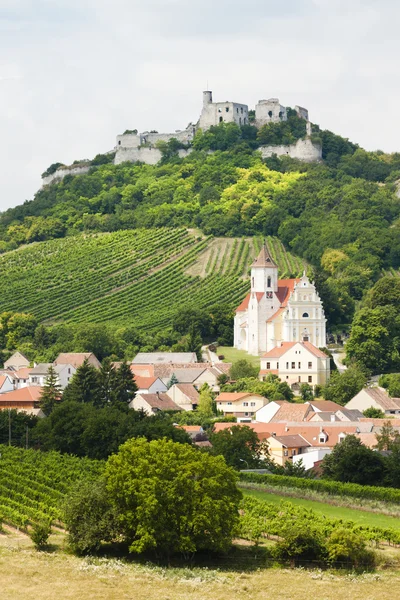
(233, 354)
(26, 573)
(337, 512)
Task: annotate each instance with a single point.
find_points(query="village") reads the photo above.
(282, 322)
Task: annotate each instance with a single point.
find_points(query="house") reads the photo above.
(76, 359)
(324, 405)
(282, 448)
(17, 361)
(343, 414)
(6, 384)
(25, 399)
(149, 385)
(292, 412)
(375, 397)
(153, 358)
(242, 405)
(210, 377)
(266, 412)
(143, 370)
(64, 373)
(296, 363)
(153, 403)
(185, 395)
(20, 377)
(312, 457)
(278, 310)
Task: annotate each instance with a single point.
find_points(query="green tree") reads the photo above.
(125, 385)
(84, 385)
(172, 381)
(342, 387)
(374, 413)
(172, 499)
(306, 392)
(90, 517)
(206, 405)
(50, 394)
(391, 382)
(242, 369)
(106, 384)
(239, 445)
(352, 462)
(388, 437)
(348, 549)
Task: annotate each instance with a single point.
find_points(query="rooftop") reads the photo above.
(146, 358)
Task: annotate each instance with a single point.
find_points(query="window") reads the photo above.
(310, 379)
(280, 114)
(268, 295)
(119, 142)
(229, 403)
(246, 414)
(277, 365)
(268, 365)
(220, 119)
(299, 365)
(299, 378)
(293, 365)
(305, 338)
(34, 379)
(252, 282)
(285, 453)
(241, 110)
(245, 403)
(310, 365)
(252, 403)
(287, 365)
(69, 371)
(293, 452)
(322, 439)
(305, 315)
(269, 282)
(226, 108)
(220, 110)
(240, 120)
(270, 114)
(237, 110)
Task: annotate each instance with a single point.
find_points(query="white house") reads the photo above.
(296, 363)
(6, 384)
(375, 397)
(64, 372)
(242, 405)
(185, 395)
(153, 403)
(149, 385)
(278, 310)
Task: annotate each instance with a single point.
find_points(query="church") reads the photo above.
(278, 310)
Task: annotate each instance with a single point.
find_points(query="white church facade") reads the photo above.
(278, 310)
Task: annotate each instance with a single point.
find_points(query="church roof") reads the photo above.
(245, 304)
(264, 259)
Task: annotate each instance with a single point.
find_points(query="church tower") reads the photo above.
(264, 273)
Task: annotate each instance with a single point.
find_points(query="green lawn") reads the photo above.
(232, 355)
(336, 512)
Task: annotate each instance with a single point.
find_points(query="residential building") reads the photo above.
(185, 395)
(324, 405)
(149, 385)
(282, 448)
(278, 310)
(242, 405)
(375, 397)
(40, 372)
(17, 361)
(76, 359)
(296, 363)
(280, 411)
(24, 399)
(6, 384)
(153, 403)
(312, 457)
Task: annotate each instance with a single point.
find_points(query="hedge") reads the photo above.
(334, 488)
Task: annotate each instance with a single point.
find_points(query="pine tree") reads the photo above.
(107, 377)
(172, 381)
(51, 392)
(84, 386)
(206, 402)
(125, 385)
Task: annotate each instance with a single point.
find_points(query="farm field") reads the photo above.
(141, 277)
(328, 510)
(26, 573)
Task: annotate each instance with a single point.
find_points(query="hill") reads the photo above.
(142, 277)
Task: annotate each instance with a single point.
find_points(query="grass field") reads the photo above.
(31, 575)
(336, 512)
(232, 355)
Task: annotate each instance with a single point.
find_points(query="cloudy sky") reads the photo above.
(75, 73)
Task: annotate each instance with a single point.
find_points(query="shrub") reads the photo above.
(301, 544)
(40, 535)
(348, 549)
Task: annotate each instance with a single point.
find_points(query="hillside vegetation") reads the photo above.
(143, 277)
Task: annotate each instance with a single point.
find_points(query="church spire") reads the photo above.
(264, 258)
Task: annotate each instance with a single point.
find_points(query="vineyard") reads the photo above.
(137, 276)
(33, 484)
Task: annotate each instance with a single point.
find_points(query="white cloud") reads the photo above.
(74, 74)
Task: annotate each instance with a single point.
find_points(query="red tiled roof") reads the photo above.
(291, 441)
(76, 359)
(245, 304)
(291, 412)
(22, 373)
(144, 383)
(264, 259)
(325, 405)
(189, 390)
(285, 288)
(233, 396)
(279, 351)
(160, 401)
(26, 394)
(142, 370)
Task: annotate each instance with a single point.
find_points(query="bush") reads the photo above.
(348, 549)
(301, 544)
(40, 535)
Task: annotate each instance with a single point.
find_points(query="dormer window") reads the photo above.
(322, 438)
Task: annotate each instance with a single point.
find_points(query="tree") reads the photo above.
(306, 392)
(107, 384)
(388, 437)
(84, 385)
(352, 462)
(206, 404)
(51, 392)
(239, 445)
(125, 385)
(242, 369)
(173, 380)
(90, 517)
(374, 413)
(342, 387)
(349, 548)
(172, 499)
(392, 383)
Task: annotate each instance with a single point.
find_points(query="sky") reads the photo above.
(75, 73)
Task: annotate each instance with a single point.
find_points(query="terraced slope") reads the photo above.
(137, 276)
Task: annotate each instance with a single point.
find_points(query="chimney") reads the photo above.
(333, 418)
(286, 428)
(279, 343)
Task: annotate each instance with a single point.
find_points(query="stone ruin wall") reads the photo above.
(63, 172)
(304, 150)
